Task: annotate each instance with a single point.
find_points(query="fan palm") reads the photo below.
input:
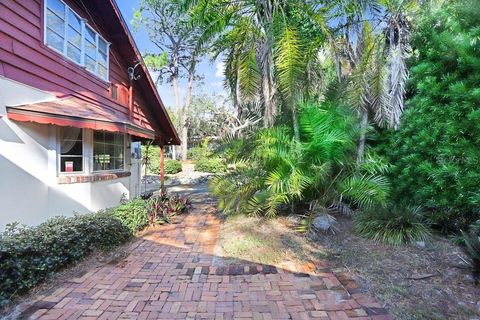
(275, 169)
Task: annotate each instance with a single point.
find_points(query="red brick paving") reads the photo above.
(170, 274)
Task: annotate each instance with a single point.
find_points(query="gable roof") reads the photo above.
(156, 112)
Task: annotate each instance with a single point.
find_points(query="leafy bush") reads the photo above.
(273, 169)
(201, 151)
(211, 165)
(151, 158)
(28, 255)
(162, 208)
(435, 153)
(171, 166)
(393, 225)
(133, 213)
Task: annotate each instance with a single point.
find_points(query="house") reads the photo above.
(75, 101)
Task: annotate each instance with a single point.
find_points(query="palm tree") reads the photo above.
(376, 59)
(267, 46)
(275, 169)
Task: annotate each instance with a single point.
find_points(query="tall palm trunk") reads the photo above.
(265, 18)
(268, 87)
(186, 110)
(176, 93)
(363, 133)
(296, 127)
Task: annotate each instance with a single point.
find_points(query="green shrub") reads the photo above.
(151, 158)
(28, 255)
(172, 166)
(274, 169)
(394, 225)
(200, 152)
(211, 165)
(133, 213)
(437, 149)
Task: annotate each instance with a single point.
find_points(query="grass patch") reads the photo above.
(265, 241)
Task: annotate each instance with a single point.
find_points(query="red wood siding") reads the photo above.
(24, 58)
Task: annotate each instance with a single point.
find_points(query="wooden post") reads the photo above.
(162, 167)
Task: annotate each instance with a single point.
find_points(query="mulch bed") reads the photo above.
(433, 282)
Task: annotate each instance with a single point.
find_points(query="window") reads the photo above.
(108, 150)
(68, 34)
(71, 150)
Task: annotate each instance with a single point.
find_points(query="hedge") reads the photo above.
(211, 165)
(172, 166)
(29, 255)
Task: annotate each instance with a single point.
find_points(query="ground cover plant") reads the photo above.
(395, 225)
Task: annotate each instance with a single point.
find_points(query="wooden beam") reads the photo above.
(162, 167)
(130, 101)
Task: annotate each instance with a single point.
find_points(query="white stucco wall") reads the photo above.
(29, 191)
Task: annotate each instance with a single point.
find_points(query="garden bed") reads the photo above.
(412, 282)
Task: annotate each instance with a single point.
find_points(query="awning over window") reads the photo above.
(75, 112)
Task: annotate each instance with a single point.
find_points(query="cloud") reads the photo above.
(220, 69)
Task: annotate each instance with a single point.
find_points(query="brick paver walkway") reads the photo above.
(170, 274)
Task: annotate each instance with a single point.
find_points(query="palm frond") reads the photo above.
(365, 191)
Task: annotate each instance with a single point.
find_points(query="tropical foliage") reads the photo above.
(273, 168)
(435, 153)
(393, 225)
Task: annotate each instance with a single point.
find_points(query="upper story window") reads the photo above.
(69, 34)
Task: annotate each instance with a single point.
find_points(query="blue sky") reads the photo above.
(212, 72)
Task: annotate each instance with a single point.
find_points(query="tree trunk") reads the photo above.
(176, 94)
(268, 88)
(363, 133)
(186, 110)
(175, 75)
(296, 129)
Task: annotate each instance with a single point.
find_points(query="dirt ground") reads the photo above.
(412, 282)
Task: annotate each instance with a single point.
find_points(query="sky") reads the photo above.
(211, 71)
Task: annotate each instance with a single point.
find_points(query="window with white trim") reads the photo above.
(71, 149)
(69, 34)
(108, 151)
